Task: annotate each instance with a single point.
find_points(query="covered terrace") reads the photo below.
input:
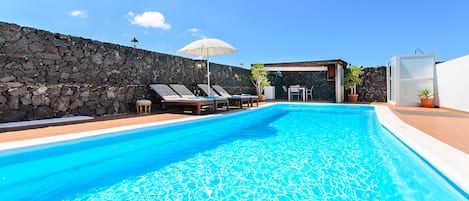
(325, 75)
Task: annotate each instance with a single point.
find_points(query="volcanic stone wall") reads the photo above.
(45, 75)
(373, 86)
(323, 90)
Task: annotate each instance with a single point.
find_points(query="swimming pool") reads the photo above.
(284, 152)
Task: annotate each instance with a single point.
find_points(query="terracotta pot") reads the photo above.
(426, 102)
(260, 97)
(353, 98)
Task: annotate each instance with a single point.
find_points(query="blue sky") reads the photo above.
(361, 32)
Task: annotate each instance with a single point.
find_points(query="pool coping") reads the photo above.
(434, 151)
(5, 146)
(73, 136)
(455, 167)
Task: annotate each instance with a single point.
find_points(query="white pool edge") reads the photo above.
(73, 136)
(451, 162)
(455, 168)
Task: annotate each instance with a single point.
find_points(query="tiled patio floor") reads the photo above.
(448, 126)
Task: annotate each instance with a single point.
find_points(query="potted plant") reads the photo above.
(426, 97)
(259, 79)
(352, 78)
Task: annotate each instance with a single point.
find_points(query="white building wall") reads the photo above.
(453, 83)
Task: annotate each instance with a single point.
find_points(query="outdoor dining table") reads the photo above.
(302, 90)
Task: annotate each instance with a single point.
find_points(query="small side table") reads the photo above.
(143, 106)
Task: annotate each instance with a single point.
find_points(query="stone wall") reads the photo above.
(323, 90)
(373, 87)
(44, 75)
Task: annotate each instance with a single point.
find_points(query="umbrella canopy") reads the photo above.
(208, 47)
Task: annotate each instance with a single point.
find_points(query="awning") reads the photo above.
(304, 66)
(295, 68)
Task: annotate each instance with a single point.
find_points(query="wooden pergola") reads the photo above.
(335, 71)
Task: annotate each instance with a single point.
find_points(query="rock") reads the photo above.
(29, 66)
(78, 53)
(91, 102)
(40, 100)
(100, 110)
(97, 58)
(85, 111)
(19, 91)
(2, 99)
(78, 77)
(43, 112)
(26, 100)
(11, 32)
(40, 90)
(67, 91)
(54, 91)
(3, 88)
(53, 77)
(13, 102)
(49, 56)
(111, 94)
(105, 103)
(115, 107)
(12, 115)
(76, 104)
(14, 84)
(85, 94)
(36, 47)
(62, 104)
(7, 78)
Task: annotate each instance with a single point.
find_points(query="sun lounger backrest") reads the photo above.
(182, 90)
(221, 91)
(205, 89)
(165, 92)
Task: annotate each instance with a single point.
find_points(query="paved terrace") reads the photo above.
(448, 126)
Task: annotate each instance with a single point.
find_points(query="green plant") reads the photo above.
(352, 78)
(259, 77)
(425, 93)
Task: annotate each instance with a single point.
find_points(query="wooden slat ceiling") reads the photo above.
(308, 63)
(304, 65)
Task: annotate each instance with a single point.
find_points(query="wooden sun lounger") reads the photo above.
(184, 92)
(238, 99)
(169, 97)
(224, 93)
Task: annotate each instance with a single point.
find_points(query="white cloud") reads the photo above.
(78, 13)
(149, 19)
(196, 32)
(193, 30)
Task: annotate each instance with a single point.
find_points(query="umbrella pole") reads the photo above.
(208, 77)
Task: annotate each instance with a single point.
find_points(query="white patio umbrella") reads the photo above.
(208, 47)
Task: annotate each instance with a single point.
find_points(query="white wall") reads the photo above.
(453, 83)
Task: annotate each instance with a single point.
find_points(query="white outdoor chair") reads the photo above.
(309, 93)
(285, 91)
(294, 91)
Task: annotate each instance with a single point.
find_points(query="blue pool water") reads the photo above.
(280, 152)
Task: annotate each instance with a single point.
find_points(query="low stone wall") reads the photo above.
(48, 101)
(372, 89)
(44, 74)
(323, 90)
